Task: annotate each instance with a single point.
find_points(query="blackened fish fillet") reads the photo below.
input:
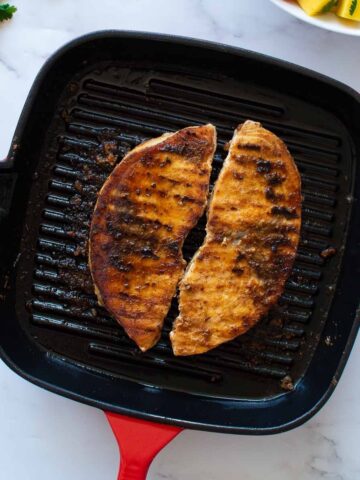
(144, 211)
(252, 235)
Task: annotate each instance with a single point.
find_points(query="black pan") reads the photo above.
(128, 87)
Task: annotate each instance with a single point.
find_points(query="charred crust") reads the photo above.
(274, 178)
(114, 220)
(235, 331)
(250, 146)
(166, 161)
(285, 229)
(116, 261)
(263, 166)
(287, 212)
(171, 180)
(279, 266)
(173, 247)
(147, 252)
(147, 160)
(237, 271)
(219, 238)
(183, 199)
(275, 241)
(123, 203)
(279, 164)
(272, 196)
(190, 146)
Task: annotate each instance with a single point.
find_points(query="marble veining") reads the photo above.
(45, 436)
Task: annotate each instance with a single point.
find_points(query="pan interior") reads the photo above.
(105, 107)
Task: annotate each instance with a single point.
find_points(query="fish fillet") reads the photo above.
(144, 211)
(252, 235)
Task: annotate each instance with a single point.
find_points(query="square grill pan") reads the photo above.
(95, 99)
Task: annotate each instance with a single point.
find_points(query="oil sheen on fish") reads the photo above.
(252, 235)
(144, 211)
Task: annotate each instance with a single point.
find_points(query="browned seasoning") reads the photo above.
(287, 383)
(287, 212)
(328, 252)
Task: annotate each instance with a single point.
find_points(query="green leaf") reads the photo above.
(329, 6)
(353, 7)
(6, 11)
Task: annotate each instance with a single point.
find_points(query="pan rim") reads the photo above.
(218, 48)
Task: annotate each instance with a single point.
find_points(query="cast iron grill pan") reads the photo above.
(116, 98)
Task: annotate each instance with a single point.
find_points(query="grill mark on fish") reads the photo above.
(170, 180)
(287, 212)
(263, 166)
(238, 271)
(272, 196)
(130, 218)
(274, 178)
(190, 148)
(250, 146)
(185, 199)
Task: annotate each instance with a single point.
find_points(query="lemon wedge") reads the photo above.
(349, 9)
(313, 7)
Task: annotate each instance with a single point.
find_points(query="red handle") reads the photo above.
(139, 441)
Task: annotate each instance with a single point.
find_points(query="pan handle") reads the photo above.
(139, 441)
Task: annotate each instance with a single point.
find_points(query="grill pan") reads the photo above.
(128, 87)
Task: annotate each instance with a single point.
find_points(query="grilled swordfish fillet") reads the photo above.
(252, 235)
(144, 211)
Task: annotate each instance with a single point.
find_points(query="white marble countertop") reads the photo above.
(45, 436)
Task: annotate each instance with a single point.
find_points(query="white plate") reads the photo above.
(329, 21)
